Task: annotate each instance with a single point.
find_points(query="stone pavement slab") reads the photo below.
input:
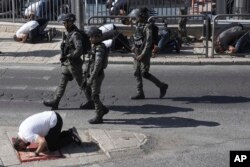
(117, 142)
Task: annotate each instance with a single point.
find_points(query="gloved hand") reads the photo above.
(62, 46)
(63, 58)
(89, 82)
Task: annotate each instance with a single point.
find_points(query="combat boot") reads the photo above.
(163, 90)
(98, 118)
(88, 105)
(138, 96)
(52, 103)
(105, 110)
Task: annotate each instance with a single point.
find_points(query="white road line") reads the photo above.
(33, 78)
(39, 68)
(26, 87)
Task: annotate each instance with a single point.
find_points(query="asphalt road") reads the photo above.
(204, 115)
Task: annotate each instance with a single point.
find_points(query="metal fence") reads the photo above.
(16, 10)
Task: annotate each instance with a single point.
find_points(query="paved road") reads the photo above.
(202, 118)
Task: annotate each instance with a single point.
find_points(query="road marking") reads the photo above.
(27, 78)
(26, 87)
(39, 68)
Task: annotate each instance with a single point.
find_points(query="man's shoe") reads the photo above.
(52, 103)
(163, 90)
(75, 136)
(88, 106)
(138, 96)
(96, 120)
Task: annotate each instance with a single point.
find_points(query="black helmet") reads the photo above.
(95, 32)
(143, 13)
(70, 17)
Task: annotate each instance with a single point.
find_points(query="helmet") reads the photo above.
(94, 31)
(70, 17)
(143, 13)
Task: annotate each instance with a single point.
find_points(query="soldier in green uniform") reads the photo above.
(71, 60)
(94, 75)
(142, 48)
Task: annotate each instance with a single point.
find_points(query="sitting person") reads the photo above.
(34, 31)
(45, 129)
(118, 7)
(37, 8)
(232, 39)
(168, 41)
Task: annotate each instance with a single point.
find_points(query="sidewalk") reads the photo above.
(98, 145)
(49, 53)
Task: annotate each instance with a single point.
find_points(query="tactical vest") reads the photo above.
(139, 36)
(95, 49)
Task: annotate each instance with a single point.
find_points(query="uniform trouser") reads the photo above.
(92, 92)
(68, 73)
(142, 70)
(55, 138)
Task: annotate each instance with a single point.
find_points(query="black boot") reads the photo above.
(105, 110)
(163, 90)
(138, 96)
(98, 118)
(88, 106)
(52, 103)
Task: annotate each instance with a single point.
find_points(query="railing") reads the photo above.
(98, 20)
(229, 19)
(14, 10)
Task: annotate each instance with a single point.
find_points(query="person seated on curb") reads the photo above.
(34, 31)
(37, 8)
(44, 128)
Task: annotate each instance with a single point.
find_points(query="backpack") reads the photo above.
(85, 41)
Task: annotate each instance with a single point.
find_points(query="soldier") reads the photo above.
(71, 60)
(94, 75)
(143, 49)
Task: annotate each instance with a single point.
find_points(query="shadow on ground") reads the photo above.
(86, 147)
(212, 99)
(149, 109)
(162, 122)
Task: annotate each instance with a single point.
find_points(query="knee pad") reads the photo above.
(145, 75)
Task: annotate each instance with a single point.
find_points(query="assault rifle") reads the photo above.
(63, 57)
(86, 72)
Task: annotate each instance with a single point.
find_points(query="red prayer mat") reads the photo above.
(26, 156)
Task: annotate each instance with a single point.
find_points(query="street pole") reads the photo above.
(221, 6)
(79, 13)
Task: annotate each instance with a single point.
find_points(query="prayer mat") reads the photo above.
(25, 156)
